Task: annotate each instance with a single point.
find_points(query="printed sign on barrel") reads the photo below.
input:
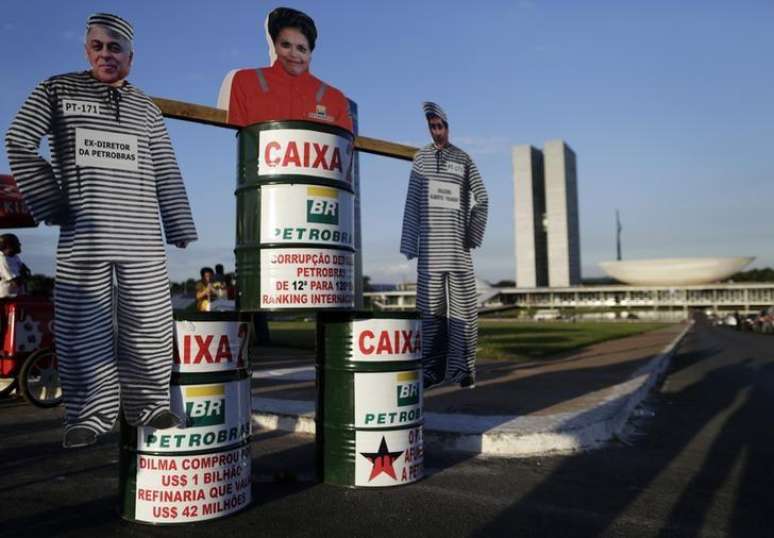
(218, 416)
(210, 346)
(384, 340)
(307, 278)
(178, 489)
(307, 214)
(388, 458)
(385, 399)
(305, 153)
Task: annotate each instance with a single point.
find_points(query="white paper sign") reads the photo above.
(384, 340)
(218, 416)
(176, 489)
(307, 278)
(443, 194)
(306, 153)
(75, 107)
(385, 399)
(457, 169)
(210, 346)
(388, 458)
(103, 149)
(307, 214)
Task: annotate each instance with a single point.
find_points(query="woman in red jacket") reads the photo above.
(286, 90)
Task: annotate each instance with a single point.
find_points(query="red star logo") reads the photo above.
(382, 461)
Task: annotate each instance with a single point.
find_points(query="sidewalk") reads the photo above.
(567, 403)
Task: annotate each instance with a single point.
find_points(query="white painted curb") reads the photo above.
(503, 435)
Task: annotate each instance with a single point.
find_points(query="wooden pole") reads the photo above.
(180, 110)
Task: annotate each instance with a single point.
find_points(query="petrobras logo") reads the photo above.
(205, 405)
(322, 205)
(305, 152)
(321, 113)
(408, 388)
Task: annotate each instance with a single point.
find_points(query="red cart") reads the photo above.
(27, 359)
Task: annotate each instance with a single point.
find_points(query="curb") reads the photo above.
(504, 435)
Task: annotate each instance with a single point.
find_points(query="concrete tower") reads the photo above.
(529, 208)
(561, 183)
(546, 216)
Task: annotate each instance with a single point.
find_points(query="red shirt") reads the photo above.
(276, 95)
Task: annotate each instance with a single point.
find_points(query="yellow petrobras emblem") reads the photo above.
(322, 205)
(408, 388)
(205, 405)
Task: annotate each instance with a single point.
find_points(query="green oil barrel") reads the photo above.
(369, 399)
(295, 230)
(201, 471)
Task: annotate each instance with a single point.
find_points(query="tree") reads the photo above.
(367, 283)
(754, 275)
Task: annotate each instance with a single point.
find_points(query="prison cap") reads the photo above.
(112, 22)
(433, 109)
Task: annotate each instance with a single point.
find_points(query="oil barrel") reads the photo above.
(201, 471)
(295, 231)
(369, 399)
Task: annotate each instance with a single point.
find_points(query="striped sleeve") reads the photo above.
(34, 174)
(409, 240)
(170, 189)
(479, 212)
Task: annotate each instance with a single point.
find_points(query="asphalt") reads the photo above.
(693, 460)
(570, 402)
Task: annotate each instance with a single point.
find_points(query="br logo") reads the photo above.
(322, 205)
(408, 393)
(205, 405)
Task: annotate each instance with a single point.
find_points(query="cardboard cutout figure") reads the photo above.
(440, 226)
(286, 90)
(112, 176)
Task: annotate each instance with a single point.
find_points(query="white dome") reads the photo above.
(674, 271)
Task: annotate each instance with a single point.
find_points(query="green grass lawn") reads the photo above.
(511, 340)
(520, 340)
(298, 334)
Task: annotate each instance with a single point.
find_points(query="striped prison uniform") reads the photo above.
(440, 226)
(112, 175)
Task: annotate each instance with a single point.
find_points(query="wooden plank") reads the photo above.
(192, 112)
(385, 148)
(207, 115)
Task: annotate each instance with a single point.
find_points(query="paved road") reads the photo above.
(701, 466)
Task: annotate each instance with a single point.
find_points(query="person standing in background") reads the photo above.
(205, 290)
(13, 272)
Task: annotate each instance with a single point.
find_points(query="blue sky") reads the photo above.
(668, 106)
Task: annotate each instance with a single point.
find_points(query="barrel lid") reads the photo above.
(298, 124)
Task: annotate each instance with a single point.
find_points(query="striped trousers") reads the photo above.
(448, 306)
(114, 347)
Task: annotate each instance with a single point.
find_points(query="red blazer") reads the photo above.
(270, 93)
